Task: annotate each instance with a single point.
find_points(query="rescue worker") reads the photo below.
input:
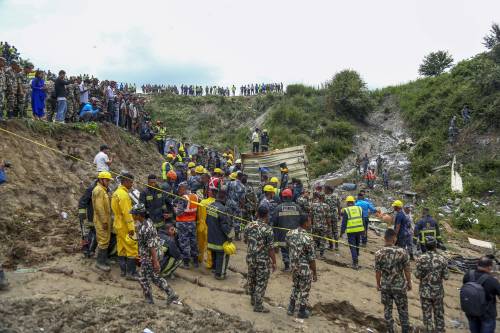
(432, 268)
(304, 202)
(303, 265)
(401, 224)
(264, 141)
(185, 209)
(250, 205)
(171, 253)
(219, 231)
(149, 242)
(352, 224)
(333, 202)
(194, 182)
(370, 177)
(167, 166)
(169, 188)
(392, 272)
(235, 201)
(321, 222)
(201, 227)
(286, 216)
(284, 176)
(367, 208)
(274, 183)
(160, 136)
(102, 218)
(13, 86)
(261, 258)
(426, 226)
(268, 199)
(86, 212)
(156, 204)
(121, 204)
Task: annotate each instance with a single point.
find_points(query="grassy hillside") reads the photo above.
(427, 106)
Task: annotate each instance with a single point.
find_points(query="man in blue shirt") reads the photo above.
(367, 208)
(401, 225)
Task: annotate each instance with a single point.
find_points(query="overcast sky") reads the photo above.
(228, 41)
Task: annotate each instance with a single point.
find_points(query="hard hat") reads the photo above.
(199, 169)
(229, 248)
(104, 175)
(287, 193)
(224, 155)
(171, 175)
(206, 172)
(264, 130)
(233, 175)
(284, 170)
(269, 188)
(218, 170)
(138, 209)
(181, 148)
(397, 203)
(274, 180)
(170, 157)
(238, 161)
(230, 156)
(350, 199)
(229, 162)
(191, 165)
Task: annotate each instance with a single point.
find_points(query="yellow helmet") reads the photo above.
(199, 169)
(181, 148)
(229, 248)
(238, 161)
(104, 175)
(274, 180)
(397, 203)
(269, 188)
(229, 162)
(170, 157)
(230, 156)
(350, 199)
(218, 170)
(191, 165)
(233, 175)
(224, 155)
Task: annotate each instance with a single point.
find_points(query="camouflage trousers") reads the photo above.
(302, 279)
(22, 105)
(432, 306)
(235, 212)
(187, 239)
(321, 231)
(401, 300)
(258, 276)
(147, 274)
(11, 102)
(333, 232)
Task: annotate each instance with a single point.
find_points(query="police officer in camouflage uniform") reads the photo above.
(432, 268)
(321, 219)
(302, 258)
(12, 88)
(392, 272)
(260, 257)
(250, 206)
(304, 202)
(235, 201)
(333, 202)
(3, 85)
(24, 96)
(148, 243)
(50, 101)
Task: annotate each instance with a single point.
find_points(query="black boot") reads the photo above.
(237, 236)
(131, 269)
(252, 299)
(195, 262)
(287, 267)
(4, 284)
(122, 262)
(291, 308)
(171, 296)
(102, 255)
(185, 263)
(149, 299)
(303, 313)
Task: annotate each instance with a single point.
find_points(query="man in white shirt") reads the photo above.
(84, 91)
(102, 160)
(255, 141)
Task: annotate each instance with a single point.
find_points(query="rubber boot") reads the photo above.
(303, 313)
(196, 264)
(291, 308)
(122, 262)
(4, 284)
(102, 254)
(131, 270)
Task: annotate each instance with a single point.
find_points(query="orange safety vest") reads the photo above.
(189, 214)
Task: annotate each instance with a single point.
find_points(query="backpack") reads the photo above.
(473, 296)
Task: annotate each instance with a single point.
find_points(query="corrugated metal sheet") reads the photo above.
(294, 157)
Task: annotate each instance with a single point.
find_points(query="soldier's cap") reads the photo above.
(138, 209)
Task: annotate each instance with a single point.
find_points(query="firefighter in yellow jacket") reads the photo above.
(201, 226)
(124, 225)
(102, 218)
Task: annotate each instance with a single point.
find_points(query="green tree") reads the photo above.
(347, 94)
(493, 38)
(435, 63)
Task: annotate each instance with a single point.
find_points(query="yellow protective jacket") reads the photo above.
(121, 204)
(102, 215)
(202, 232)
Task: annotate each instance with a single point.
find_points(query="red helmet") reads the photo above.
(287, 193)
(171, 175)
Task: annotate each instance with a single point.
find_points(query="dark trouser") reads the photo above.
(285, 255)
(264, 148)
(364, 238)
(161, 145)
(255, 148)
(221, 261)
(482, 325)
(354, 240)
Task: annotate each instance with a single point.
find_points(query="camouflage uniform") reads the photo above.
(431, 269)
(70, 113)
(250, 202)
(259, 237)
(236, 195)
(148, 239)
(321, 214)
(304, 204)
(333, 202)
(301, 248)
(3, 86)
(391, 262)
(11, 88)
(22, 94)
(50, 102)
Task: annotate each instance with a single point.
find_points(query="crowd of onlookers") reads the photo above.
(8, 52)
(198, 90)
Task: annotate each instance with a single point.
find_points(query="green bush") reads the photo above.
(300, 89)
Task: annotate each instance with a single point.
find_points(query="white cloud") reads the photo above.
(237, 42)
